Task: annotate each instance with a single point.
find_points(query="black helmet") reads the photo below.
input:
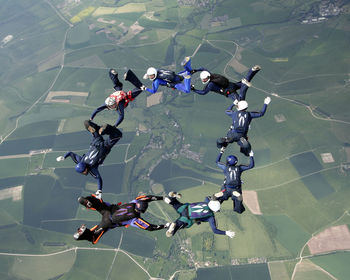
(141, 206)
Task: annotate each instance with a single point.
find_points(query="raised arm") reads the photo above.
(251, 162)
(229, 110)
(267, 101)
(258, 114)
(219, 164)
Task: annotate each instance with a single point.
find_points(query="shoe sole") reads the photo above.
(170, 231)
(248, 84)
(175, 194)
(185, 61)
(89, 127)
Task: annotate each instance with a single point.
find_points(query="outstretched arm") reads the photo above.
(155, 86)
(99, 109)
(212, 223)
(204, 91)
(120, 111)
(96, 174)
(75, 157)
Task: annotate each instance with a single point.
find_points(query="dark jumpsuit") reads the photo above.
(118, 215)
(233, 182)
(99, 149)
(240, 126)
(230, 91)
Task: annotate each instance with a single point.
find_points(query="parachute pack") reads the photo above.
(124, 213)
(220, 80)
(167, 75)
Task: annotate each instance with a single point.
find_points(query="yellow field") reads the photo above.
(104, 11)
(82, 14)
(280, 59)
(128, 8)
(131, 8)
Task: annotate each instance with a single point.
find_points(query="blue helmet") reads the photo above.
(231, 160)
(80, 167)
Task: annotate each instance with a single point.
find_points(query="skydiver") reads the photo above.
(116, 215)
(98, 150)
(232, 186)
(119, 99)
(191, 213)
(180, 81)
(241, 120)
(221, 85)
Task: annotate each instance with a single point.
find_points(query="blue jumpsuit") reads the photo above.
(176, 83)
(233, 182)
(240, 126)
(98, 150)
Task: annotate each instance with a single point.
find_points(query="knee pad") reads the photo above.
(218, 195)
(237, 195)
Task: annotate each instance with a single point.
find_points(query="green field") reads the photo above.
(70, 46)
(336, 264)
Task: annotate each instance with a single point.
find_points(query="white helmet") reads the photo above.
(242, 105)
(214, 205)
(205, 77)
(150, 71)
(110, 102)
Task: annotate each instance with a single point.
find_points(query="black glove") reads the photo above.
(192, 87)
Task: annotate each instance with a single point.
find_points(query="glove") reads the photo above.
(267, 100)
(143, 87)
(192, 87)
(251, 153)
(230, 234)
(167, 225)
(222, 150)
(98, 194)
(235, 102)
(60, 158)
